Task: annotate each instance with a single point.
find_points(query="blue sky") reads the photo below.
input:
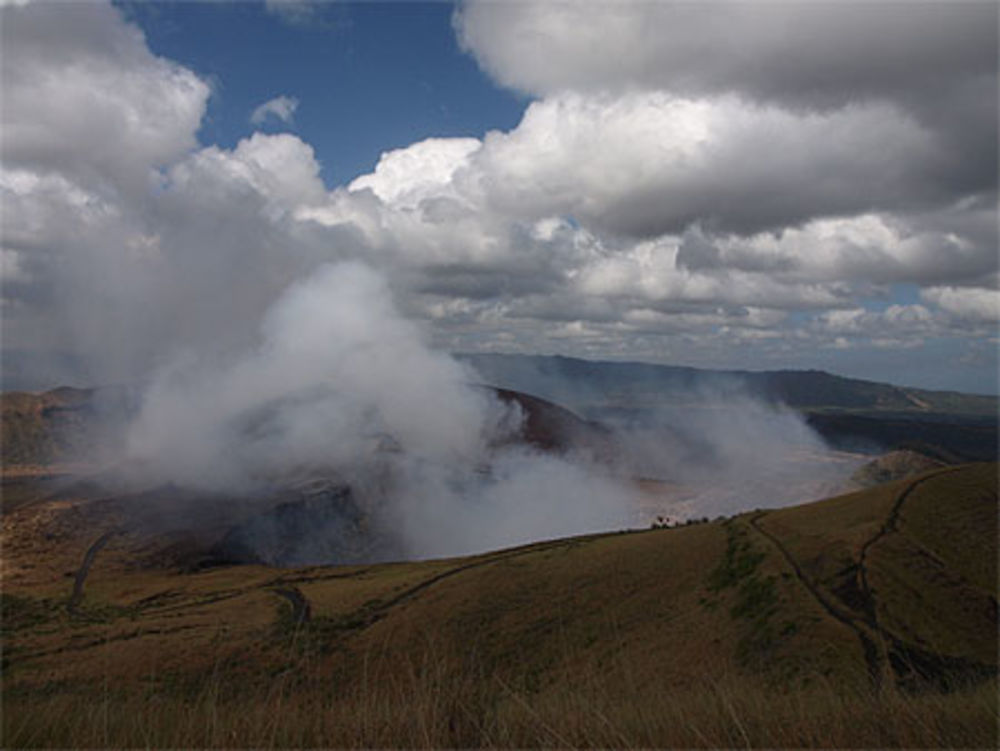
(368, 76)
(747, 186)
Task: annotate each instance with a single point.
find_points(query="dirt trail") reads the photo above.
(368, 615)
(908, 661)
(301, 609)
(81, 574)
(503, 556)
(885, 653)
(891, 524)
(874, 659)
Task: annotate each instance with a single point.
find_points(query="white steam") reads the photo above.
(731, 452)
(336, 368)
(701, 444)
(527, 496)
(341, 385)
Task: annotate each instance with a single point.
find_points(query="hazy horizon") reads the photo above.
(41, 384)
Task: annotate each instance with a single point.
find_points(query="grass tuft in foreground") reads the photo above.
(429, 705)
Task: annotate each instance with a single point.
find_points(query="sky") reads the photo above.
(353, 101)
(727, 185)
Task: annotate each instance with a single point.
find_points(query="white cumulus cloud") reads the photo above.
(982, 305)
(281, 108)
(814, 52)
(83, 96)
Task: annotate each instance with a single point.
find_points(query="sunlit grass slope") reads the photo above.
(863, 620)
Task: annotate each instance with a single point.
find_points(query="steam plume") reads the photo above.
(340, 384)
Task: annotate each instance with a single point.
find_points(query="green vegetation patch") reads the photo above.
(739, 562)
(756, 597)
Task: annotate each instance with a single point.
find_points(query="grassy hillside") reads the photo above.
(62, 425)
(39, 428)
(864, 620)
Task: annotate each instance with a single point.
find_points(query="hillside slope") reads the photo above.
(849, 413)
(70, 425)
(61, 425)
(876, 592)
(645, 384)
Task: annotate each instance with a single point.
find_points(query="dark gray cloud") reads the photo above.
(869, 106)
(647, 164)
(813, 54)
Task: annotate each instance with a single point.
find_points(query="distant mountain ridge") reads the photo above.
(849, 413)
(39, 428)
(648, 384)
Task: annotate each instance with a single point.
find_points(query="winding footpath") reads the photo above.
(886, 655)
(301, 609)
(874, 659)
(81, 574)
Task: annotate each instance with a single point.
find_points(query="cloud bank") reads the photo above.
(772, 185)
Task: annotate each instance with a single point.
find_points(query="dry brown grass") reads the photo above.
(424, 704)
(696, 637)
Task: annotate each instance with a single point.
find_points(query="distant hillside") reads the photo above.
(64, 424)
(896, 465)
(569, 380)
(849, 413)
(553, 428)
(68, 424)
(948, 438)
